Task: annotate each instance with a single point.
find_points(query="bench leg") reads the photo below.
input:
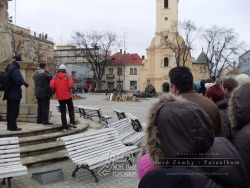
(129, 161)
(74, 173)
(93, 174)
(9, 182)
(3, 182)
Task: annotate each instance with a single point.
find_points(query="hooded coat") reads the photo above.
(61, 84)
(178, 128)
(16, 91)
(239, 115)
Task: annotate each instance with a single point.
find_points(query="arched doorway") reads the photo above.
(165, 87)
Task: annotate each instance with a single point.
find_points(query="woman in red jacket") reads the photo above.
(61, 83)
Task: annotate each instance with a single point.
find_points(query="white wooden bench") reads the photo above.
(76, 110)
(93, 149)
(126, 132)
(10, 163)
(137, 125)
(89, 112)
(120, 114)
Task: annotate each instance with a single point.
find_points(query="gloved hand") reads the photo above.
(26, 84)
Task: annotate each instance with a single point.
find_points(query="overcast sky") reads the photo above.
(135, 18)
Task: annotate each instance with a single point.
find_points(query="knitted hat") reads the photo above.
(208, 85)
(145, 165)
(18, 58)
(242, 79)
(62, 67)
(42, 65)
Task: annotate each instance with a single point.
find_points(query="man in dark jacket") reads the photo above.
(217, 95)
(181, 80)
(14, 96)
(239, 115)
(42, 91)
(182, 131)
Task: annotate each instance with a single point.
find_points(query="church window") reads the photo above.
(165, 62)
(165, 3)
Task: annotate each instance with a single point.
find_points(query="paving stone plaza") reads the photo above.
(119, 175)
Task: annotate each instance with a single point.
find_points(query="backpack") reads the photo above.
(5, 80)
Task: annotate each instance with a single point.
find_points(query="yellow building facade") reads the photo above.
(155, 70)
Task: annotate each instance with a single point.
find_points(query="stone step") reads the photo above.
(43, 158)
(48, 137)
(32, 130)
(37, 149)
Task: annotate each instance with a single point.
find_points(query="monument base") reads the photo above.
(27, 113)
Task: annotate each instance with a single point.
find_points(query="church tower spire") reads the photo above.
(166, 14)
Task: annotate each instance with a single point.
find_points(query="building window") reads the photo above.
(166, 37)
(58, 53)
(102, 71)
(41, 45)
(49, 59)
(119, 71)
(200, 69)
(65, 60)
(80, 59)
(65, 52)
(131, 70)
(135, 70)
(204, 70)
(72, 53)
(165, 62)
(41, 58)
(49, 47)
(111, 71)
(12, 37)
(119, 84)
(133, 85)
(165, 3)
(72, 59)
(103, 85)
(88, 65)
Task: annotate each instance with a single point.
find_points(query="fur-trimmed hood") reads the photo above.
(177, 128)
(239, 106)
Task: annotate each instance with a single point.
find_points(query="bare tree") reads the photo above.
(17, 42)
(222, 48)
(95, 47)
(180, 39)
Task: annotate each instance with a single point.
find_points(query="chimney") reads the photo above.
(120, 51)
(124, 52)
(142, 57)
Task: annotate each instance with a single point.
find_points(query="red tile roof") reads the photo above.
(126, 59)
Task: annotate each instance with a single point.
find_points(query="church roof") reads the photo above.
(202, 58)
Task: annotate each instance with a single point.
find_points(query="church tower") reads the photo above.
(166, 13)
(160, 57)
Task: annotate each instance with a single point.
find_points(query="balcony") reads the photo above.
(110, 75)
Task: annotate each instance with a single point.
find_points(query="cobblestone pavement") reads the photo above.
(119, 176)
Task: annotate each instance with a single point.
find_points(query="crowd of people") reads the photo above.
(46, 84)
(212, 124)
(203, 122)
